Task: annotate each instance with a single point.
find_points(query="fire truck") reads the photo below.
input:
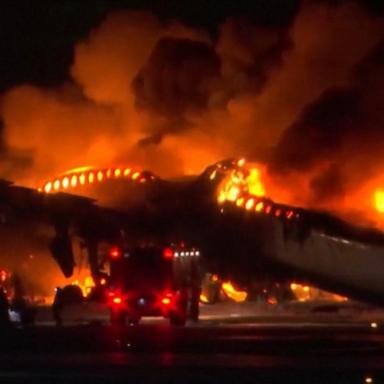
(151, 280)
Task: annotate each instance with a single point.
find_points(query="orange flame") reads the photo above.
(243, 187)
(305, 293)
(233, 293)
(85, 285)
(88, 175)
(379, 200)
(241, 179)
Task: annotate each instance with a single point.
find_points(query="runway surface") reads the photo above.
(260, 349)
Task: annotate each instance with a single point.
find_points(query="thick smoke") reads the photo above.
(249, 55)
(179, 77)
(343, 128)
(303, 99)
(320, 133)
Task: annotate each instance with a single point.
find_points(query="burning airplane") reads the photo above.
(172, 98)
(224, 211)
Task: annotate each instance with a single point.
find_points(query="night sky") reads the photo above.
(37, 37)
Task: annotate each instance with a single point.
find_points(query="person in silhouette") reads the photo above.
(57, 306)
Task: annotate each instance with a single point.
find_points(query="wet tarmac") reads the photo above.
(254, 352)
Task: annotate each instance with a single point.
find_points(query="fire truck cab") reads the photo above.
(154, 281)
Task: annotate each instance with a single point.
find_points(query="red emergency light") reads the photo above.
(165, 301)
(115, 298)
(114, 253)
(168, 253)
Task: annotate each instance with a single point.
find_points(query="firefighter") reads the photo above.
(57, 306)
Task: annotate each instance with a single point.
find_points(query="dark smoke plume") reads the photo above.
(344, 126)
(179, 76)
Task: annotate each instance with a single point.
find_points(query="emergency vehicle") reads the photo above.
(151, 280)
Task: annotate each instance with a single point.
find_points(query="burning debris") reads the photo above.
(305, 293)
(236, 295)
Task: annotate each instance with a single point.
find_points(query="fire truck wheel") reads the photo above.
(177, 319)
(118, 317)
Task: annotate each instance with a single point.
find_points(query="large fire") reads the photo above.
(244, 188)
(242, 179)
(245, 185)
(242, 185)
